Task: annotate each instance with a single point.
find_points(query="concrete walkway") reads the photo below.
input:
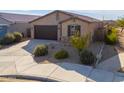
(17, 60)
(112, 64)
(59, 72)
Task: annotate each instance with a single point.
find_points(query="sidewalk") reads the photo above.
(59, 72)
(112, 64)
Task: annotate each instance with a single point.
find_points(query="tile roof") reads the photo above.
(86, 18)
(18, 17)
(82, 17)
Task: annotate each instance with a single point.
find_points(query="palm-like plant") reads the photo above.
(120, 23)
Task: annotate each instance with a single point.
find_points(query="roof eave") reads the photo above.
(6, 19)
(51, 13)
(41, 17)
(75, 18)
(60, 12)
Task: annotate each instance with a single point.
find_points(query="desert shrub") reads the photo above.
(120, 23)
(1, 46)
(87, 57)
(80, 42)
(40, 50)
(111, 36)
(18, 36)
(9, 38)
(62, 54)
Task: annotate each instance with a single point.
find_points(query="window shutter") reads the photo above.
(69, 30)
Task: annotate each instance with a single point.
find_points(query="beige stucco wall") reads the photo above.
(86, 27)
(19, 27)
(94, 26)
(49, 20)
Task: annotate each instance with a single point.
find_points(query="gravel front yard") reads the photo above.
(52, 48)
(26, 48)
(108, 52)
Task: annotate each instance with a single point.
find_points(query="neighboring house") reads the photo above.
(60, 25)
(109, 22)
(15, 22)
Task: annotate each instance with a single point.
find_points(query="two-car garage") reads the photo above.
(56, 25)
(45, 32)
(48, 26)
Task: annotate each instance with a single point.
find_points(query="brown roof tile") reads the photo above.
(18, 17)
(85, 18)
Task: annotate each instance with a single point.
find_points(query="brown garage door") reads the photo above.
(45, 32)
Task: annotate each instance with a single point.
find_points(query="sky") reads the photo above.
(99, 14)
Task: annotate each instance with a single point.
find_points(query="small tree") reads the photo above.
(120, 23)
(79, 42)
(111, 36)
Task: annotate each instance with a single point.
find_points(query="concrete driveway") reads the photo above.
(18, 60)
(24, 48)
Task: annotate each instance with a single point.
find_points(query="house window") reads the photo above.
(73, 29)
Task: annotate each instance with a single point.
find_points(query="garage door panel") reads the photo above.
(46, 32)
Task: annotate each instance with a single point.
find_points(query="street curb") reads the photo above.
(44, 79)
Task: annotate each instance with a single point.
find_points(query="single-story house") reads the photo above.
(10, 22)
(109, 22)
(59, 25)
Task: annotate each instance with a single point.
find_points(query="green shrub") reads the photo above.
(9, 38)
(62, 54)
(18, 36)
(40, 50)
(111, 37)
(87, 57)
(79, 42)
